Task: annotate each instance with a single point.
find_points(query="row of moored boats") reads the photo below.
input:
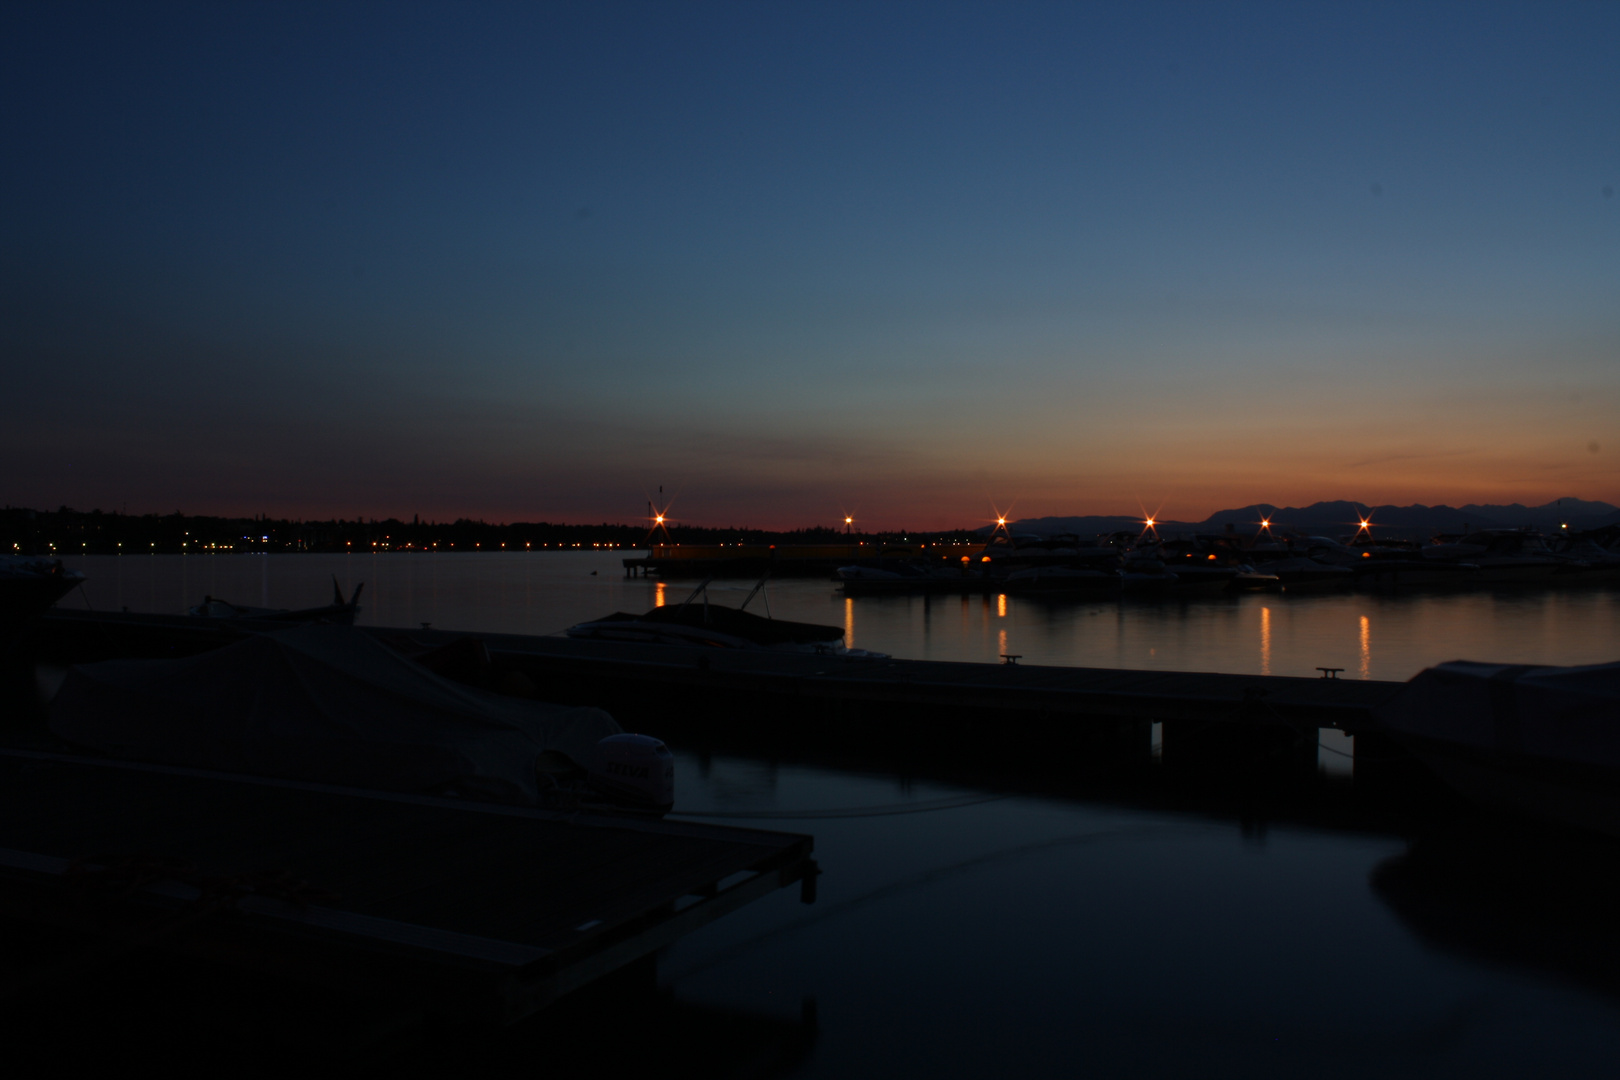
(1226, 563)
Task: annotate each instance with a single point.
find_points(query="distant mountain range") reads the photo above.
(1340, 518)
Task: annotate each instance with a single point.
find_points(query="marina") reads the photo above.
(810, 541)
(998, 774)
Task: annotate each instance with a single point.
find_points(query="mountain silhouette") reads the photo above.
(1342, 517)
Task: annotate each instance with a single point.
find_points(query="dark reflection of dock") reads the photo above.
(1392, 796)
(1515, 896)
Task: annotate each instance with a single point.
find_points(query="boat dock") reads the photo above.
(672, 673)
(1108, 714)
(473, 910)
(1105, 717)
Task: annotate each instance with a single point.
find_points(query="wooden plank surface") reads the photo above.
(1072, 691)
(523, 876)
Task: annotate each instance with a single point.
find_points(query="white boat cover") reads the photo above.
(327, 704)
(1562, 713)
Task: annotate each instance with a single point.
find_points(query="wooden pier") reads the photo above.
(677, 673)
(1202, 715)
(468, 909)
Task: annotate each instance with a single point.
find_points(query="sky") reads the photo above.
(912, 262)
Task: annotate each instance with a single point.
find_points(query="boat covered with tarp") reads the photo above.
(29, 584)
(1538, 740)
(325, 704)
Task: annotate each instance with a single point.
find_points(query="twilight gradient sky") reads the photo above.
(907, 259)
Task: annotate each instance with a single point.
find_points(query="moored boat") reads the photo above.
(715, 626)
(338, 611)
(1537, 740)
(29, 585)
(1504, 556)
(1301, 574)
(1048, 579)
(904, 576)
(1248, 579)
(1399, 573)
(332, 705)
(1202, 577)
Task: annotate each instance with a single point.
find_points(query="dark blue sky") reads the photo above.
(532, 261)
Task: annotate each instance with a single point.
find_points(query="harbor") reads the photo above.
(867, 780)
(805, 542)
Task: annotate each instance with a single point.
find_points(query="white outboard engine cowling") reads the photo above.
(635, 769)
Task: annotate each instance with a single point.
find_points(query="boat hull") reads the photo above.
(1534, 740)
(1558, 792)
(1415, 573)
(24, 599)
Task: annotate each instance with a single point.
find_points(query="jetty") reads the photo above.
(472, 910)
(1106, 714)
(1109, 713)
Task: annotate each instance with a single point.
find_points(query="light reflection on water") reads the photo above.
(1043, 935)
(1265, 641)
(1374, 636)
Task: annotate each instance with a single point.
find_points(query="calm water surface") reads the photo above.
(1370, 636)
(984, 935)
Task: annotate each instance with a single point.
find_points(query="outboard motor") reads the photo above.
(637, 770)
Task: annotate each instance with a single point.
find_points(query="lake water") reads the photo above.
(1370, 636)
(986, 934)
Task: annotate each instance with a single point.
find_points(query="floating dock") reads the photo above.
(472, 910)
(1108, 713)
(678, 673)
(672, 673)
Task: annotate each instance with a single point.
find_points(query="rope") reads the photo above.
(890, 810)
(925, 878)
